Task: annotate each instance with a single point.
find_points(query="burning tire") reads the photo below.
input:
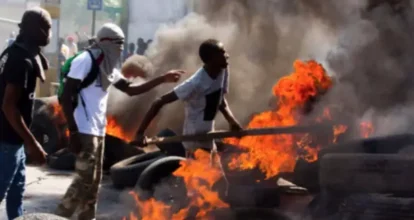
(157, 181)
(126, 172)
(62, 160)
(367, 173)
(40, 216)
(171, 149)
(117, 150)
(157, 171)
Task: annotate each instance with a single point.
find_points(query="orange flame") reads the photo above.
(274, 154)
(150, 209)
(199, 177)
(112, 127)
(338, 130)
(366, 129)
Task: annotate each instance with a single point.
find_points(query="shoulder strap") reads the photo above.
(93, 74)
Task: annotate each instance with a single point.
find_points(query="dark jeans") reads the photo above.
(12, 178)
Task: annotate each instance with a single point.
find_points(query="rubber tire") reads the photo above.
(306, 174)
(62, 160)
(45, 132)
(367, 173)
(380, 145)
(117, 150)
(250, 214)
(157, 171)
(171, 149)
(126, 172)
(361, 207)
(40, 216)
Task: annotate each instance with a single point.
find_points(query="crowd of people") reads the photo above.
(84, 102)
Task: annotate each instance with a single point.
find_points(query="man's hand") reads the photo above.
(75, 144)
(173, 76)
(140, 141)
(235, 126)
(36, 152)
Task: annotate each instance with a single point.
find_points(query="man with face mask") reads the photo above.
(20, 66)
(87, 121)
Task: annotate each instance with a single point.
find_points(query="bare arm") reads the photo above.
(155, 108)
(11, 111)
(68, 95)
(133, 90)
(227, 113)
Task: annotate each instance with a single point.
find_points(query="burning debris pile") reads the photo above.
(199, 179)
(279, 153)
(272, 154)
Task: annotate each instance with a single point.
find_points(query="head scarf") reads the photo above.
(28, 27)
(109, 40)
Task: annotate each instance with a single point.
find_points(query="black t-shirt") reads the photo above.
(16, 68)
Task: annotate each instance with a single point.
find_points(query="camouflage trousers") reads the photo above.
(83, 192)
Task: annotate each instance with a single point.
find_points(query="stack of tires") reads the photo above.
(52, 137)
(150, 174)
(366, 179)
(43, 127)
(126, 172)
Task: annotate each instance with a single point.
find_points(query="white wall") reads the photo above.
(146, 16)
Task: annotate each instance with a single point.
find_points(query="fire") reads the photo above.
(278, 153)
(199, 177)
(150, 209)
(112, 127)
(366, 129)
(338, 130)
(271, 154)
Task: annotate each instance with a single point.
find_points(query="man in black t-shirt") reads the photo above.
(20, 65)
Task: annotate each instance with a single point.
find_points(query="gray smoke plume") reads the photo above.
(367, 51)
(263, 39)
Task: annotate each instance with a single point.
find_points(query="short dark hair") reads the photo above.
(208, 49)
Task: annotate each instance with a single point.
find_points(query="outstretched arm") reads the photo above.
(228, 115)
(155, 108)
(132, 90)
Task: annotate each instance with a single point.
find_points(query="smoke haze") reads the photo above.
(367, 52)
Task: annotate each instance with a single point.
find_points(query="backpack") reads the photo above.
(89, 79)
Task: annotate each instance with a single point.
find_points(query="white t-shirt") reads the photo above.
(202, 96)
(92, 119)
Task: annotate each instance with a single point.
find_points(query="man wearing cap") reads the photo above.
(73, 47)
(87, 120)
(20, 66)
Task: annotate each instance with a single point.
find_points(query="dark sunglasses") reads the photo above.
(113, 40)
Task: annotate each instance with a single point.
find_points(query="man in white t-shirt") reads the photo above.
(203, 95)
(87, 118)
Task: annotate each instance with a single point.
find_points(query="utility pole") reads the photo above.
(93, 22)
(94, 5)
